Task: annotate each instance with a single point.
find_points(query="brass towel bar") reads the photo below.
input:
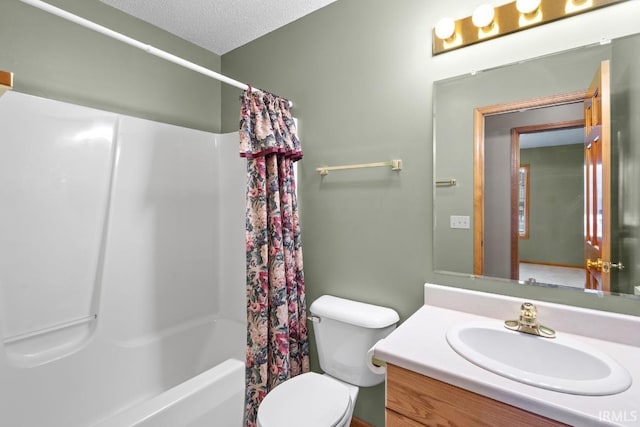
(396, 165)
(447, 182)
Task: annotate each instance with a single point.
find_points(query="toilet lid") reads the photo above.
(310, 400)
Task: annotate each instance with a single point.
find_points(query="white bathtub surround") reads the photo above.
(420, 345)
(122, 273)
(55, 180)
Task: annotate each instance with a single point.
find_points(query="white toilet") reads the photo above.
(345, 330)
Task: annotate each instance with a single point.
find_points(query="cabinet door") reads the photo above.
(434, 403)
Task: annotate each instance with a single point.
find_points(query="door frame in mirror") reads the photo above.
(515, 165)
(479, 115)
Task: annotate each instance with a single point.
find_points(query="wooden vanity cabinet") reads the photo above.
(414, 400)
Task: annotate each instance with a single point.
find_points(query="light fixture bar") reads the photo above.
(508, 19)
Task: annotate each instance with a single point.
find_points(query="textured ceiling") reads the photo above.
(218, 25)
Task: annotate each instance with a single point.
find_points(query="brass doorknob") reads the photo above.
(597, 264)
(607, 266)
(604, 266)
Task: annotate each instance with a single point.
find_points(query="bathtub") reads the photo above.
(203, 381)
(187, 375)
(213, 398)
(209, 374)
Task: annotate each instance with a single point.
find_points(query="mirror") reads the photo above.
(530, 228)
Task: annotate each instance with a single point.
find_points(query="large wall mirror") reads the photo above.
(537, 170)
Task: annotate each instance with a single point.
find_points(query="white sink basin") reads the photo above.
(558, 364)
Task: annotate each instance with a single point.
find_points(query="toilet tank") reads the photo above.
(345, 330)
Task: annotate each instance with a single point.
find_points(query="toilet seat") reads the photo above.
(310, 399)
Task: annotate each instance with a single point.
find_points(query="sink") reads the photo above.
(559, 364)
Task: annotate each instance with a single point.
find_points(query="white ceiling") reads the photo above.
(551, 138)
(218, 25)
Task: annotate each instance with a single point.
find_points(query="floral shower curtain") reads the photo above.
(277, 344)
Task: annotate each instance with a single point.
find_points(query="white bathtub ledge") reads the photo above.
(420, 345)
(217, 394)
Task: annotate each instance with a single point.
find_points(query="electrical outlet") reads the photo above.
(459, 221)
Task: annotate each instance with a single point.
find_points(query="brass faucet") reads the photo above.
(528, 322)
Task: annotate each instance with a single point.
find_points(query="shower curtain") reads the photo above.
(277, 343)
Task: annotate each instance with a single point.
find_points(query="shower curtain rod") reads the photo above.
(135, 43)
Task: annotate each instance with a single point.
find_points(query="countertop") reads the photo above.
(419, 344)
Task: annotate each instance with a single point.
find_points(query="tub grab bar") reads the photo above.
(49, 329)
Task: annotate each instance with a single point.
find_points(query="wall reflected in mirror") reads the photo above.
(533, 230)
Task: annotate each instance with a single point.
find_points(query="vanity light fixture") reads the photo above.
(573, 6)
(488, 22)
(527, 7)
(483, 16)
(484, 19)
(530, 12)
(6, 81)
(445, 29)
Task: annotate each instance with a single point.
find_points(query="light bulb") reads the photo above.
(573, 6)
(445, 28)
(483, 16)
(527, 6)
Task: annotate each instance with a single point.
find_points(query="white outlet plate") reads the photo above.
(460, 221)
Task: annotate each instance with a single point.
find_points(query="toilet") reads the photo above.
(345, 330)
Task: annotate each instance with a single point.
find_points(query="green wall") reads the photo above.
(556, 231)
(355, 71)
(54, 58)
(360, 75)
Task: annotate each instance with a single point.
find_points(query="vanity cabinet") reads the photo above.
(414, 400)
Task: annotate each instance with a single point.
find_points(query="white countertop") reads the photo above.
(420, 345)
